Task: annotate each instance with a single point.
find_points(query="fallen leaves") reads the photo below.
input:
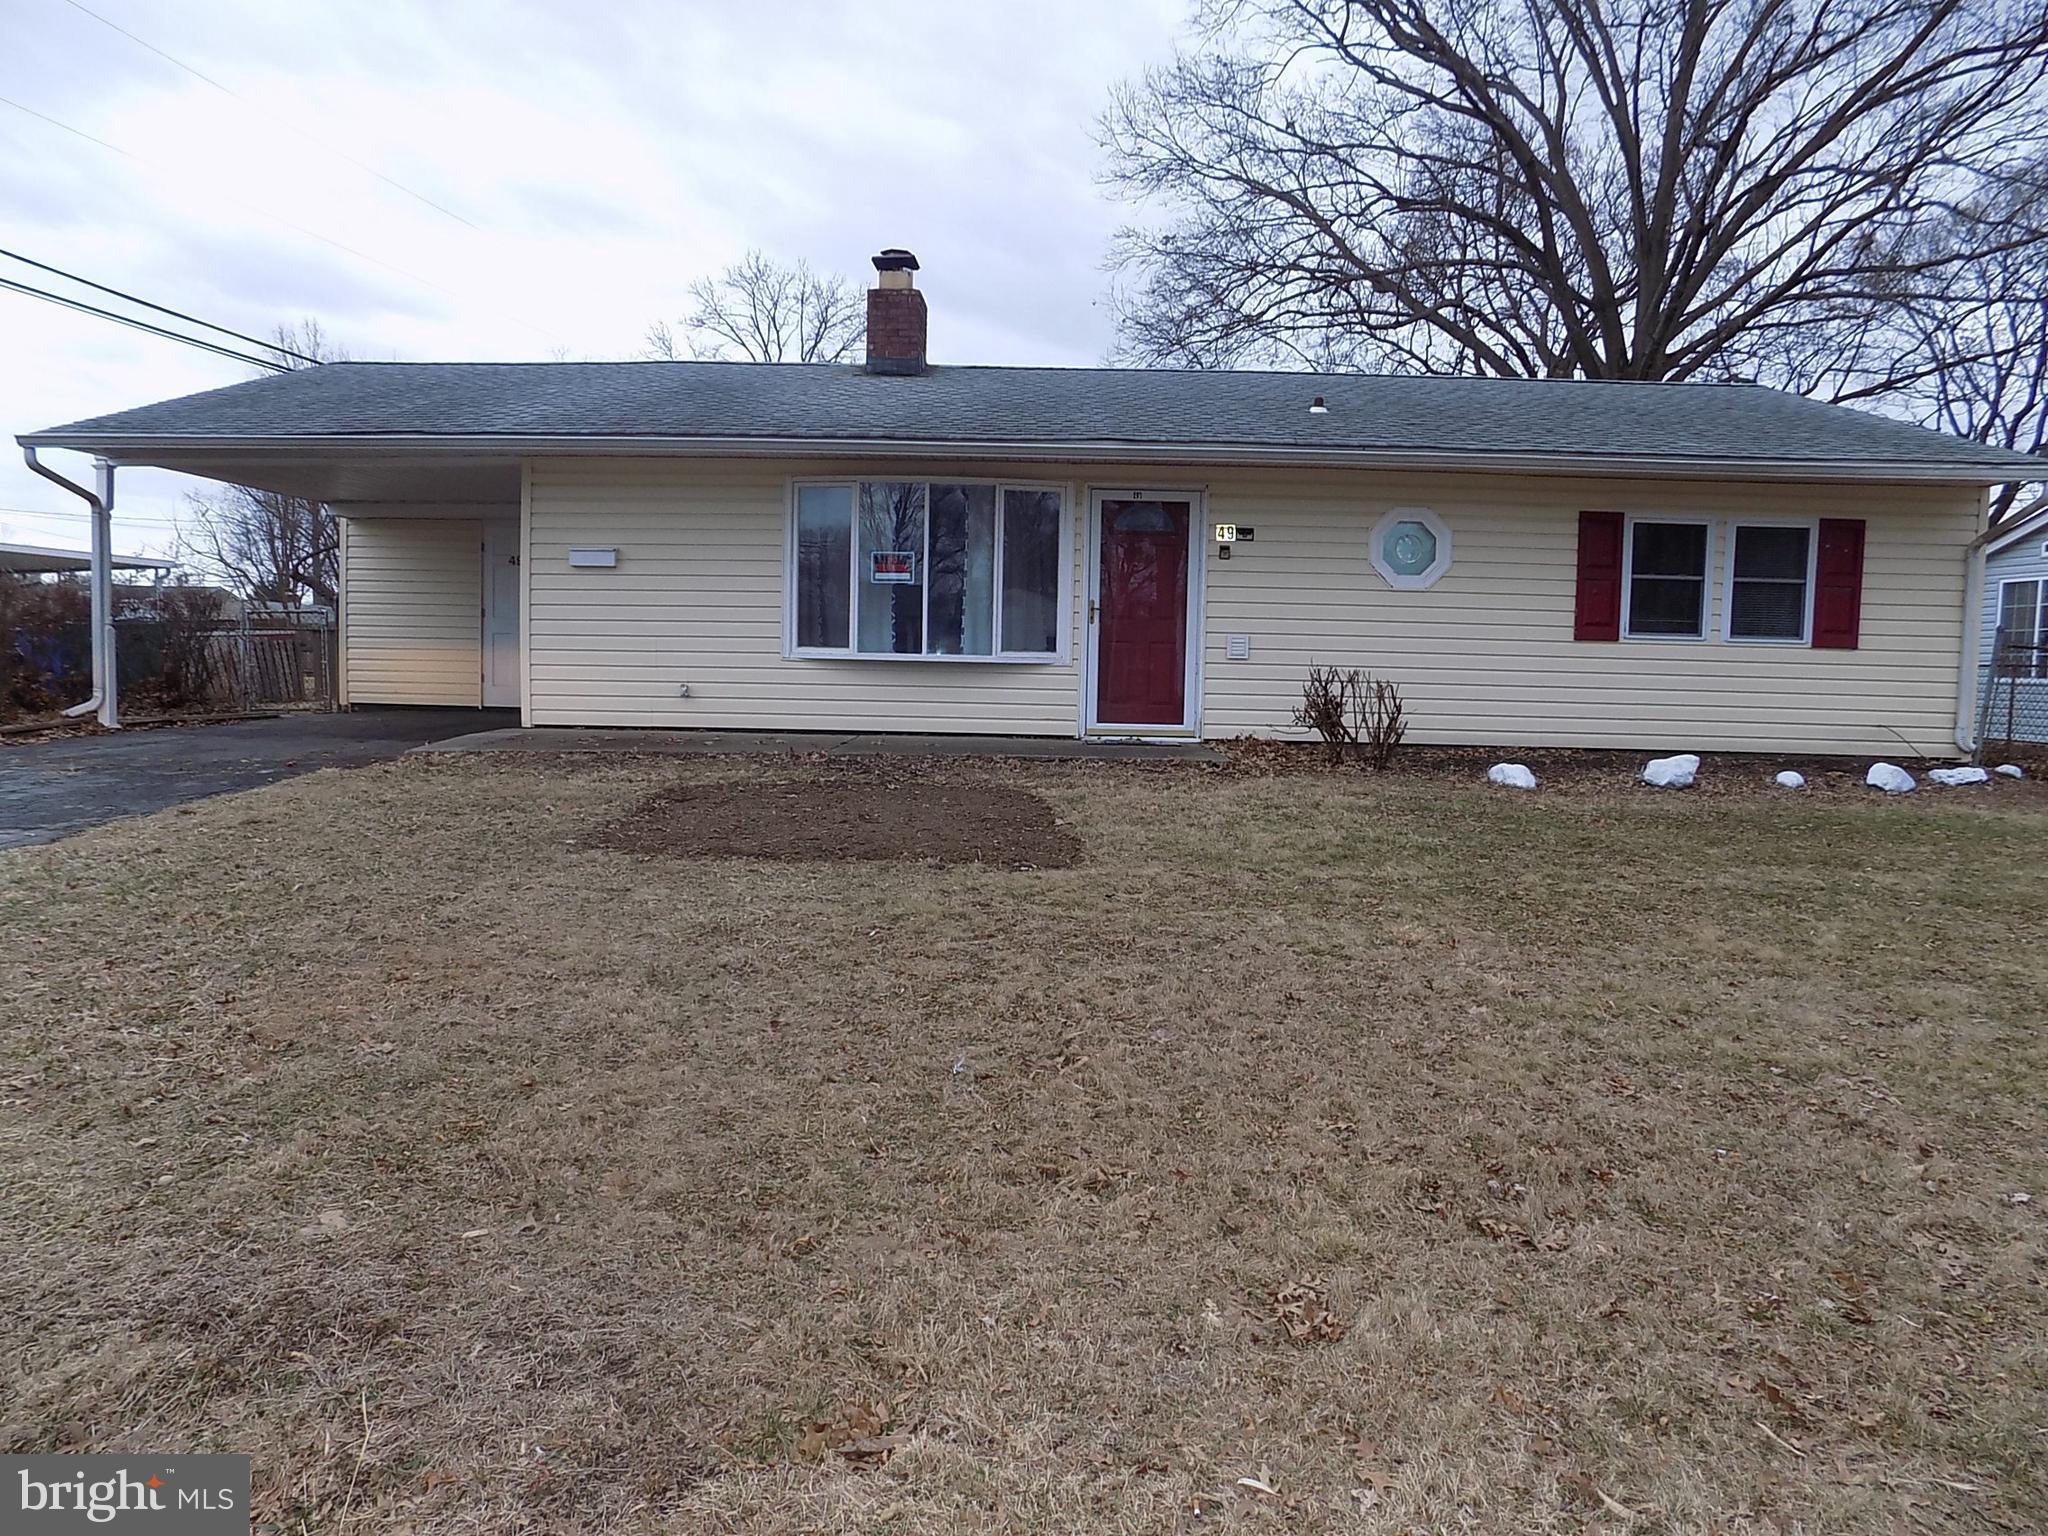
(859, 1432)
(1582, 1486)
(1302, 1311)
(1555, 1240)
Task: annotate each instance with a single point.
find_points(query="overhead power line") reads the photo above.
(151, 526)
(162, 309)
(82, 517)
(270, 118)
(142, 325)
(70, 517)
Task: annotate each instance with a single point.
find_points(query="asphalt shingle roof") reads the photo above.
(1565, 421)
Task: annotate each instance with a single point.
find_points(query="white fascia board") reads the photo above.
(144, 449)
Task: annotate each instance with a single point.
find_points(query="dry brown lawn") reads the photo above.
(1313, 1154)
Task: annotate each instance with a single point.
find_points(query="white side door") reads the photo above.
(501, 615)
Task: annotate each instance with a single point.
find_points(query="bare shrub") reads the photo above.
(1325, 708)
(45, 646)
(1355, 714)
(191, 671)
(1382, 721)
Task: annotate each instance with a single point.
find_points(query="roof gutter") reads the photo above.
(105, 701)
(2003, 537)
(139, 448)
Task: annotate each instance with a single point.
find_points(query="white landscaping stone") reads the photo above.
(2010, 771)
(1790, 780)
(1671, 772)
(1890, 778)
(1512, 775)
(1953, 778)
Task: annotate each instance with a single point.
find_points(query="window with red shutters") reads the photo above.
(1838, 584)
(1598, 612)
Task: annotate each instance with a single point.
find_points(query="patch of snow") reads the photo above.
(1790, 780)
(1671, 772)
(1890, 778)
(1512, 775)
(2010, 771)
(1953, 778)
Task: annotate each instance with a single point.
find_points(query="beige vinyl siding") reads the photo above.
(1484, 657)
(697, 598)
(412, 600)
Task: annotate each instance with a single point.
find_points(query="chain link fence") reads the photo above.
(2012, 697)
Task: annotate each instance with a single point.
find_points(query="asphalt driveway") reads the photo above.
(49, 789)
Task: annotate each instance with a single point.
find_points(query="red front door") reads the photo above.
(1141, 639)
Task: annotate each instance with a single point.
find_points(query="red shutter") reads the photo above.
(1838, 584)
(1598, 613)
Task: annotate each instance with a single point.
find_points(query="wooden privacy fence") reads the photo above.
(260, 667)
(224, 666)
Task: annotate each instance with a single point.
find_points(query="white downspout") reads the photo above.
(105, 700)
(1973, 636)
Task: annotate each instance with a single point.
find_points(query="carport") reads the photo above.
(416, 502)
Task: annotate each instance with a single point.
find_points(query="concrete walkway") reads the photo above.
(826, 743)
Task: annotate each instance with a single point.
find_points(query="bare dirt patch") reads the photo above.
(905, 816)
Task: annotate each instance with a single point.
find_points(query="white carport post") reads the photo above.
(105, 700)
(106, 666)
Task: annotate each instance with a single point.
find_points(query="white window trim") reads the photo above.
(1196, 674)
(1735, 525)
(791, 651)
(2040, 585)
(2040, 635)
(1628, 578)
(1424, 579)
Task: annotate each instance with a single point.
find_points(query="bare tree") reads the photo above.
(268, 546)
(1973, 359)
(1781, 190)
(766, 311)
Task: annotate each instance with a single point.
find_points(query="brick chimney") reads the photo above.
(896, 320)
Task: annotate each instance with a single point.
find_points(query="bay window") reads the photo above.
(940, 569)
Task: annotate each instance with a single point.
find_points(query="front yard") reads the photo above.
(1241, 1153)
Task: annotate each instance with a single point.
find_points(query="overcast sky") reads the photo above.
(587, 161)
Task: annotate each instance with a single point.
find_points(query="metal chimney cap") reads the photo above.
(895, 259)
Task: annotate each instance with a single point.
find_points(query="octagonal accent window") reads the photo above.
(1411, 548)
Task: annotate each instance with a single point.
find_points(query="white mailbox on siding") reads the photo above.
(593, 559)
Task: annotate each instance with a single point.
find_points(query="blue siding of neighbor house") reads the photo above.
(2025, 561)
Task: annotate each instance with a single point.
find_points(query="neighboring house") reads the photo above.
(210, 604)
(2016, 606)
(40, 560)
(132, 599)
(901, 547)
